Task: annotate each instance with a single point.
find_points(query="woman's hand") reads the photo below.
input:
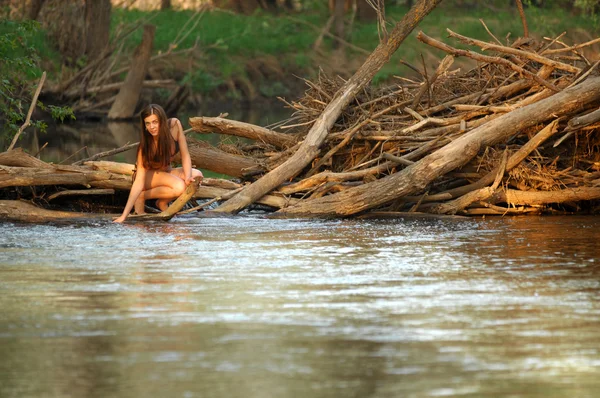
(189, 180)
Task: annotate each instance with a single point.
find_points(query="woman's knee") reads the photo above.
(179, 187)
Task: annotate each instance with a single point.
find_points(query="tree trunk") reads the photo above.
(97, 22)
(35, 7)
(310, 147)
(239, 6)
(364, 11)
(240, 129)
(64, 21)
(416, 177)
(207, 157)
(338, 21)
(21, 211)
(62, 175)
(129, 95)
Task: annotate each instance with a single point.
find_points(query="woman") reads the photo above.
(160, 141)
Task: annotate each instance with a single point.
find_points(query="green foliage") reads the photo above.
(202, 81)
(588, 6)
(19, 73)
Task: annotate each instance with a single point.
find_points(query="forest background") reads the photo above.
(243, 51)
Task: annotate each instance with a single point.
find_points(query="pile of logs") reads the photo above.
(516, 134)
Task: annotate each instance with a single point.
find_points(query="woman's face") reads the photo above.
(152, 125)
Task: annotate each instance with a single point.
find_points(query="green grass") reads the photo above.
(228, 41)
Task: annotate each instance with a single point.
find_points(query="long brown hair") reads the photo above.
(159, 156)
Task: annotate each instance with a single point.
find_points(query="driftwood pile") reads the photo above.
(516, 134)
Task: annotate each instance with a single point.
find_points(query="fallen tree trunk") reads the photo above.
(129, 94)
(212, 192)
(310, 148)
(539, 198)
(18, 158)
(207, 157)
(22, 211)
(221, 125)
(62, 175)
(416, 177)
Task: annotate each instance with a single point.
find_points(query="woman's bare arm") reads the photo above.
(186, 160)
(136, 189)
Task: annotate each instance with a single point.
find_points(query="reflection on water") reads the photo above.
(255, 307)
(70, 142)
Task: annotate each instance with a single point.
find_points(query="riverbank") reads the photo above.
(224, 56)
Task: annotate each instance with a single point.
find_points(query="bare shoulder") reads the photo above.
(175, 127)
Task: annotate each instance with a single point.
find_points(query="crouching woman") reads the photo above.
(161, 139)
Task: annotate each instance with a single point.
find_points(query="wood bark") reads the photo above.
(210, 158)
(338, 21)
(21, 211)
(317, 134)
(62, 175)
(81, 192)
(239, 129)
(210, 192)
(97, 23)
(540, 198)
(416, 177)
(18, 158)
(128, 97)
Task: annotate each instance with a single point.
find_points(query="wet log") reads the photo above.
(221, 125)
(22, 211)
(127, 99)
(416, 177)
(310, 147)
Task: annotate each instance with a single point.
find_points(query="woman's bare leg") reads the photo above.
(140, 204)
(163, 204)
(163, 186)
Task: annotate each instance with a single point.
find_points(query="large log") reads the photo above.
(211, 192)
(205, 156)
(62, 175)
(18, 158)
(21, 211)
(416, 177)
(310, 148)
(220, 125)
(127, 99)
(540, 198)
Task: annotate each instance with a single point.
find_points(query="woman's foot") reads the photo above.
(162, 204)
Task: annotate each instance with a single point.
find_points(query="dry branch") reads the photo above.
(315, 137)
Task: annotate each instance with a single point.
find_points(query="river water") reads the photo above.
(255, 307)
